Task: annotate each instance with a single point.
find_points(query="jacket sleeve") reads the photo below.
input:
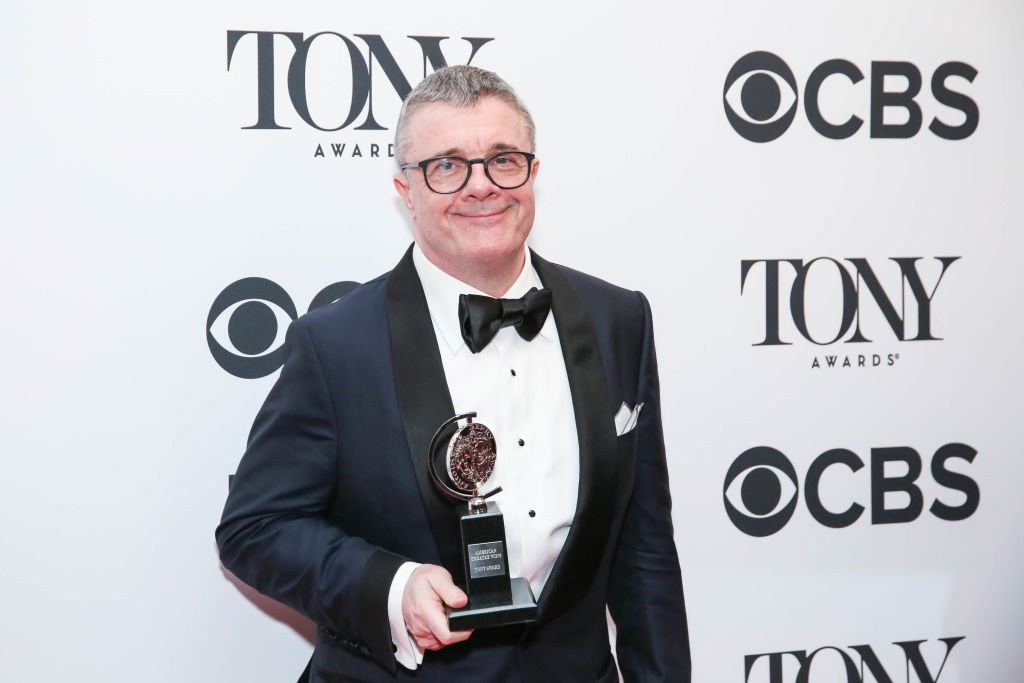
(275, 535)
(645, 592)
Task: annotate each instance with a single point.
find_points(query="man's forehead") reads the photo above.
(490, 125)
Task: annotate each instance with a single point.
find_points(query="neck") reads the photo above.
(492, 278)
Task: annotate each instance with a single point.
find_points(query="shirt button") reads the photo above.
(533, 513)
(513, 372)
(521, 442)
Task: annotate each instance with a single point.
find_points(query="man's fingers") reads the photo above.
(458, 636)
(437, 623)
(428, 642)
(439, 633)
(430, 588)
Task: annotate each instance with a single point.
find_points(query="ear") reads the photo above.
(402, 187)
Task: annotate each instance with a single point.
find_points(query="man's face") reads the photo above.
(481, 226)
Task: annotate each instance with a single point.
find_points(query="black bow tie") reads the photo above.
(480, 317)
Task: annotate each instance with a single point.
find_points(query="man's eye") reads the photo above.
(444, 166)
(512, 162)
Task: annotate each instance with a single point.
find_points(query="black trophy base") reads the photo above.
(521, 610)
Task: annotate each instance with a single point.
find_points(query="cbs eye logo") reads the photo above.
(246, 326)
(760, 491)
(760, 98)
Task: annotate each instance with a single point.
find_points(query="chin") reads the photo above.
(493, 253)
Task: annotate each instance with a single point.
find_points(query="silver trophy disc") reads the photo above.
(471, 457)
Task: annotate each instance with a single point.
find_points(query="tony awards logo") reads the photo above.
(494, 598)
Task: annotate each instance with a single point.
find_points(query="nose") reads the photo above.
(479, 185)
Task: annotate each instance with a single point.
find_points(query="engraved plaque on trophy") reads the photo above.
(494, 598)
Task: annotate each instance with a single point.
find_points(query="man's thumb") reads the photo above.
(454, 597)
(446, 589)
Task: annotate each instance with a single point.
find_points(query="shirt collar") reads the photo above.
(442, 292)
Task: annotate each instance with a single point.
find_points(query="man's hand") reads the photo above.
(429, 589)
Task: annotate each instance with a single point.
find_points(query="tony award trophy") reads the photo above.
(494, 598)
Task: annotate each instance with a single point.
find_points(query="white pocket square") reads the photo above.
(625, 419)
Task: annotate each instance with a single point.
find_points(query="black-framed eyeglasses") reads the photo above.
(448, 175)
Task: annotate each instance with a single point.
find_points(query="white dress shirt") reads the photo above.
(520, 391)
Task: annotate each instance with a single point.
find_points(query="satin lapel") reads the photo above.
(574, 569)
(423, 398)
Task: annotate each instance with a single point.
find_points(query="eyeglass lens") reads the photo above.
(506, 170)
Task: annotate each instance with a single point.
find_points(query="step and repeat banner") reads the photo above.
(823, 202)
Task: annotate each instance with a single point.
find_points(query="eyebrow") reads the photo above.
(496, 147)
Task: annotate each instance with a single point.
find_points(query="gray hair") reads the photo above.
(458, 86)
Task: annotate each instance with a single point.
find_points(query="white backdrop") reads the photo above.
(133, 196)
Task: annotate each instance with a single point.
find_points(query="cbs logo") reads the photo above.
(246, 326)
(761, 488)
(760, 98)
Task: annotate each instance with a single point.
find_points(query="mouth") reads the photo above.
(483, 215)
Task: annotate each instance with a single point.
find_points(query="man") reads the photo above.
(332, 510)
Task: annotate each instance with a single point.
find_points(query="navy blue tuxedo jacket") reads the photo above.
(333, 494)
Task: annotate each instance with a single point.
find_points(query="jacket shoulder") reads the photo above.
(356, 310)
(593, 284)
(605, 300)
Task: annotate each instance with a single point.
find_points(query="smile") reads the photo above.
(488, 214)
